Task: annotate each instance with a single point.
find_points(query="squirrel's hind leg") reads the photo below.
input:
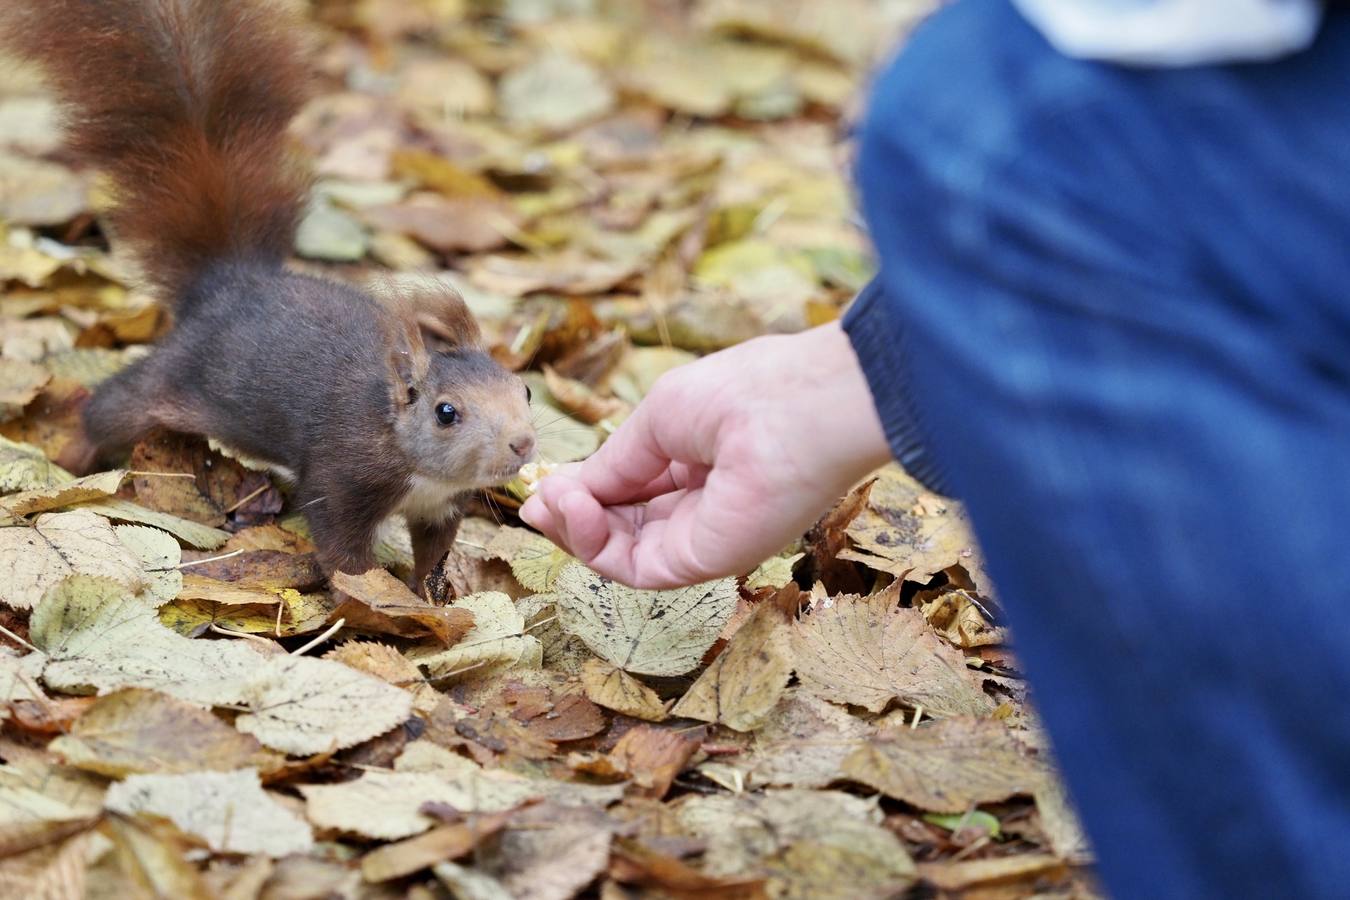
(128, 406)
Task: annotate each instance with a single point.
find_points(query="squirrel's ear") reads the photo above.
(408, 363)
(445, 320)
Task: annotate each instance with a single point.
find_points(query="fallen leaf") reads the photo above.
(379, 602)
(445, 842)
(555, 91)
(96, 634)
(645, 632)
(143, 732)
(160, 558)
(35, 558)
(20, 383)
(839, 834)
(1060, 822)
(1020, 873)
(496, 641)
(193, 533)
(743, 685)
(868, 651)
(653, 757)
(228, 810)
(24, 467)
(100, 484)
(803, 742)
(304, 706)
(54, 871)
(387, 664)
(613, 688)
(535, 560)
(911, 533)
(149, 858)
(946, 766)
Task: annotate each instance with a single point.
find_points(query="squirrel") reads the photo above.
(374, 405)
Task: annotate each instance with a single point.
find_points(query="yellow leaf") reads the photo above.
(35, 558)
(613, 688)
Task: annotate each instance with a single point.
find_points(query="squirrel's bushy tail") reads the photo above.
(185, 104)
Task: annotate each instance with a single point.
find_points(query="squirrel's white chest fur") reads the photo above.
(430, 499)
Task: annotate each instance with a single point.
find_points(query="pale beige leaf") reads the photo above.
(24, 467)
(803, 742)
(947, 766)
(97, 634)
(868, 651)
(809, 843)
(159, 555)
(387, 664)
(200, 536)
(647, 632)
(303, 706)
(466, 883)
(611, 687)
(386, 805)
(35, 791)
(90, 487)
(19, 676)
(34, 559)
(138, 731)
(744, 683)
(497, 641)
(228, 810)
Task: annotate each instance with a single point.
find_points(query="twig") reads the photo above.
(332, 630)
(198, 562)
(220, 629)
(256, 493)
(18, 640)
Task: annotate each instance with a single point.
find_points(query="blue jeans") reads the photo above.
(1114, 316)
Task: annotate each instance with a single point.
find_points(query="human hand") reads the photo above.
(725, 462)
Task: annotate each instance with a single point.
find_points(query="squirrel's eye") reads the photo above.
(446, 414)
(529, 394)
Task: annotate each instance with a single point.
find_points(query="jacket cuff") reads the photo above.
(878, 339)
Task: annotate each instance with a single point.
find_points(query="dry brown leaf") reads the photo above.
(804, 742)
(34, 559)
(1060, 822)
(20, 383)
(808, 843)
(646, 632)
(442, 843)
(583, 402)
(377, 601)
(143, 732)
(653, 757)
(913, 534)
(868, 651)
(228, 810)
(948, 766)
(1023, 873)
(613, 688)
(150, 859)
(745, 682)
(52, 872)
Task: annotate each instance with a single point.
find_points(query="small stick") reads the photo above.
(248, 498)
(220, 629)
(137, 474)
(18, 640)
(336, 626)
(198, 562)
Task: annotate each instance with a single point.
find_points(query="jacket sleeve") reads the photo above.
(874, 328)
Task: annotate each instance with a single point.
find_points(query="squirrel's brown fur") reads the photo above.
(185, 103)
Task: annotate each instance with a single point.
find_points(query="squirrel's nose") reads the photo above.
(523, 446)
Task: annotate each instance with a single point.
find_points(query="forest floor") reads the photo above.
(189, 708)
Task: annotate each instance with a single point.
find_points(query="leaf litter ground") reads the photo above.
(190, 710)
